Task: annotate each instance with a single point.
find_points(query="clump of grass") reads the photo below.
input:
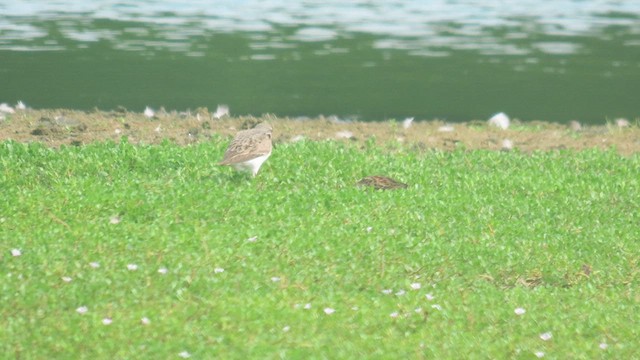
(130, 251)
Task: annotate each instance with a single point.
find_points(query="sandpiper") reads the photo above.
(381, 183)
(249, 149)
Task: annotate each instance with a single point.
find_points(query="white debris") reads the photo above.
(446, 128)
(5, 108)
(407, 123)
(575, 125)
(221, 111)
(500, 120)
(344, 134)
(622, 122)
(507, 144)
(148, 112)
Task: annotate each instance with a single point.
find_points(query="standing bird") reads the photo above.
(249, 149)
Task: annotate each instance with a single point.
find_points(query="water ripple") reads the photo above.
(431, 28)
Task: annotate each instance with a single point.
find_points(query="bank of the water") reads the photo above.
(55, 127)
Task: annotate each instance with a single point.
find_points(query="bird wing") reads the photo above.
(247, 145)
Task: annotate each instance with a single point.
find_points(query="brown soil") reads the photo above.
(57, 127)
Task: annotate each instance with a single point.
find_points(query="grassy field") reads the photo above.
(120, 251)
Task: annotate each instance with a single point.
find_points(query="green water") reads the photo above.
(529, 73)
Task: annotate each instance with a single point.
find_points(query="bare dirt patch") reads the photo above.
(55, 127)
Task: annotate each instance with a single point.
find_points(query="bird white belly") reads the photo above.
(252, 165)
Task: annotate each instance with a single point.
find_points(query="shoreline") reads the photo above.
(56, 127)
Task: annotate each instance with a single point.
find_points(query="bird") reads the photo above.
(381, 183)
(249, 149)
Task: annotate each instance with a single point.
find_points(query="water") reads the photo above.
(454, 60)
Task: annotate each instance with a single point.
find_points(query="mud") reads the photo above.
(56, 127)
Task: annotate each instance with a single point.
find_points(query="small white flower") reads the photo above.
(218, 270)
(436, 306)
(148, 112)
(539, 354)
(519, 311)
(184, 354)
(275, 279)
(546, 336)
(307, 306)
(416, 286)
(369, 228)
(401, 293)
(132, 267)
(114, 220)
(82, 310)
(387, 291)
(430, 297)
(16, 252)
(66, 279)
(107, 321)
(94, 264)
(252, 239)
(329, 311)
(394, 314)
(603, 346)
(145, 321)
(163, 271)
(286, 328)
(355, 308)
(418, 310)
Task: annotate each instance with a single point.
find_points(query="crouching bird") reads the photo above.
(381, 183)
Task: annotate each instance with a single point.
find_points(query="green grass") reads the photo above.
(483, 232)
